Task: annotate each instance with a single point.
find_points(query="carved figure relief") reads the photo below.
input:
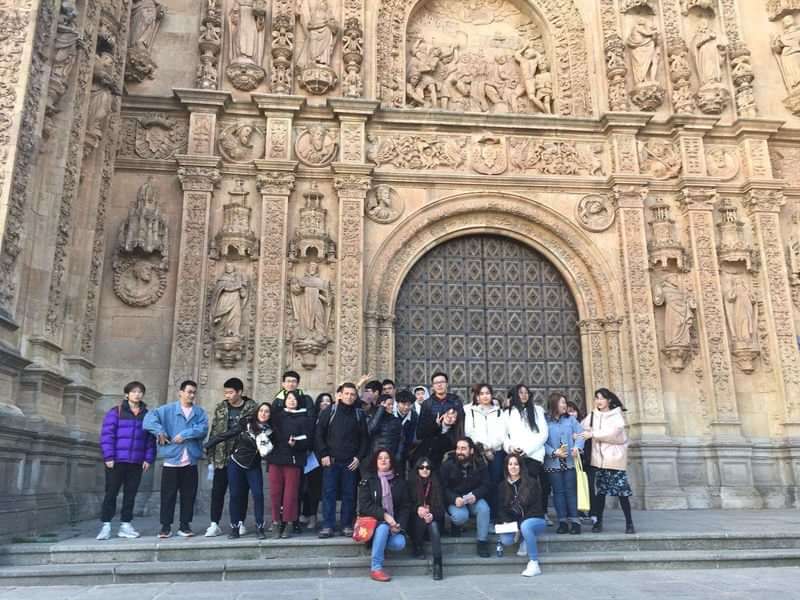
(237, 142)
(104, 88)
(247, 26)
(722, 162)
(643, 43)
(707, 51)
(236, 239)
(146, 17)
(659, 159)
(595, 212)
(554, 157)
(65, 51)
(489, 155)
(141, 257)
(353, 57)
(311, 240)
(384, 204)
(320, 30)
(786, 49)
(312, 305)
(680, 307)
(282, 51)
(417, 152)
(210, 45)
(231, 295)
(741, 314)
(316, 146)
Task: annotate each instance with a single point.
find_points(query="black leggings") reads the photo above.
(624, 503)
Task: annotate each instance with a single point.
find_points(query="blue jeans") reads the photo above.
(530, 528)
(496, 476)
(479, 510)
(338, 479)
(565, 494)
(384, 540)
(239, 480)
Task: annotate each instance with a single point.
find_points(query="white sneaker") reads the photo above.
(126, 530)
(242, 529)
(213, 530)
(105, 532)
(532, 570)
(523, 549)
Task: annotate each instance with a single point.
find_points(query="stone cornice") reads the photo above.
(151, 104)
(198, 173)
(208, 101)
(276, 165)
(624, 121)
(277, 105)
(693, 123)
(353, 106)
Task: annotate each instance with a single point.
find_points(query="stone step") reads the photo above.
(275, 568)
(307, 547)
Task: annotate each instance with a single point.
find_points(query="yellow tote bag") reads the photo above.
(584, 503)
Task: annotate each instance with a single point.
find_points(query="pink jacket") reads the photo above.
(609, 442)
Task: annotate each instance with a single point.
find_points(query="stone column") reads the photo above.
(764, 207)
(352, 183)
(593, 347)
(275, 182)
(616, 373)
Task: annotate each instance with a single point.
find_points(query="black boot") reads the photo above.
(597, 527)
(483, 549)
(234, 534)
(629, 528)
(562, 527)
(297, 528)
(260, 534)
(437, 569)
(455, 531)
(418, 551)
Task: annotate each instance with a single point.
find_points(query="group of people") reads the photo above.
(410, 460)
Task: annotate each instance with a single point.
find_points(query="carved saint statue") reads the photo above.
(320, 28)
(230, 297)
(706, 51)
(786, 47)
(65, 47)
(311, 303)
(643, 44)
(145, 18)
(100, 98)
(741, 313)
(679, 316)
(247, 21)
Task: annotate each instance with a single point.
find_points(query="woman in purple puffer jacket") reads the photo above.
(128, 451)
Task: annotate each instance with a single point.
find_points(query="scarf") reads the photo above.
(386, 491)
(424, 491)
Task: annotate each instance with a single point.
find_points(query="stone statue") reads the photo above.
(680, 308)
(230, 297)
(741, 313)
(65, 50)
(100, 98)
(311, 306)
(146, 17)
(643, 45)
(706, 50)
(786, 48)
(145, 228)
(425, 83)
(247, 22)
(530, 60)
(320, 28)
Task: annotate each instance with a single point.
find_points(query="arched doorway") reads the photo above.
(488, 308)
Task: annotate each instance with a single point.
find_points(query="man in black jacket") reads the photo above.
(465, 484)
(386, 430)
(439, 402)
(341, 443)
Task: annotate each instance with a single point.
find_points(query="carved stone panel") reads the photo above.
(316, 146)
(241, 142)
(595, 212)
(155, 136)
(384, 204)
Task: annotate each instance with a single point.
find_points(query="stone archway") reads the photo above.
(584, 269)
(566, 31)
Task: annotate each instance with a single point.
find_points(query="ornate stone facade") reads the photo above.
(271, 215)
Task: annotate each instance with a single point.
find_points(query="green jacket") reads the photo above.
(220, 453)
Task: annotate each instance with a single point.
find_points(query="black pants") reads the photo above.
(127, 476)
(418, 530)
(312, 492)
(174, 480)
(219, 486)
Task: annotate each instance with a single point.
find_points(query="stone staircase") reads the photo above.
(78, 560)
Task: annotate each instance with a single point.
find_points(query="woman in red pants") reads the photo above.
(293, 426)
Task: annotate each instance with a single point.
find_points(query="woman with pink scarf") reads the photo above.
(382, 494)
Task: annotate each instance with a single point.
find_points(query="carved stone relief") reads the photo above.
(384, 204)
(489, 155)
(555, 157)
(320, 30)
(741, 315)
(680, 306)
(141, 257)
(733, 248)
(278, 138)
(146, 17)
(236, 240)
(659, 159)
(282, 51)
(247, 28)
(312, 307)
(241, 142)
(155, 136)
(723, 162)
(104, 88)
(595, 212)
(316, 146)
(353, 57)
(230, 297)
(786, 49)
(311, 241)
(210, 45)
(417, 151)
(643, 42)
(664, 246)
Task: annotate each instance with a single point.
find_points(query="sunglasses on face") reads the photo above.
(424, 468)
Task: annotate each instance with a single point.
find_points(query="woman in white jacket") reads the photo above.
(527, 430)
(485, 423)
(606, 427)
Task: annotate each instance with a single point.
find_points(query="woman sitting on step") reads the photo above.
(427, 512)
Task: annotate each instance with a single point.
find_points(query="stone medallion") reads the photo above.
(595, 212)
(316, 146)
(384, 205)
(139, 282)
(722, 163)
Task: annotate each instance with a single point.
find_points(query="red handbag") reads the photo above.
(364, 529)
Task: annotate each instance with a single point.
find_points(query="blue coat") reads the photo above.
(560, 431)
(169, 419)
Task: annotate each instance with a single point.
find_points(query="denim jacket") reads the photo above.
(561, 431)
(169, 419)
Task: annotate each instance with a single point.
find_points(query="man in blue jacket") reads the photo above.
(180, 428)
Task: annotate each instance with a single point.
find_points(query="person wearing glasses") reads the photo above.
(440, 401)
(427, 513)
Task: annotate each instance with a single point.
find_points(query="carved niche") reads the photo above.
(786, 50)
(659, 159)
(141, 256)
(596, 212)
(320, 30)
(733, 248)
(247, 30)
(643, 42)
(146, 17)
(708, 49)
(317, 145)
(680, 305)
(227, 319)
(384, 204)
(741, 315)
(241, 142)
(101, 99)
(311, 241)
(664, 246)
(236, 239)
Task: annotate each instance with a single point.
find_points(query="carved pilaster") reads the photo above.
(616, 375)
(594, 353)
(764, 209)
(353, 115)
(639, 300)
(279, 112)
(698, 206)
(275, 183)
(352, 185)
(198, 177)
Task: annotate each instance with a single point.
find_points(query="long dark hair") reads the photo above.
(476, 391)
(553, 400)
(417, 482)
(613, 399)
(253, 421)
(517, 403)
(457, 429)
(372, 466)
(528, 487)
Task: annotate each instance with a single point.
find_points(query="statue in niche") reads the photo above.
(786, 48)
(101, 99)
(645, 53)
(311, 305)
(236, 142)
(707, 54)
(384, 205)
(231, 295)
(740, 310)
(146, 17)
(65, 51)
(247, 22)
(680, 307)
(320, 29)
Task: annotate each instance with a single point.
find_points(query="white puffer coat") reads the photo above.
(487, 428)
(520, 435)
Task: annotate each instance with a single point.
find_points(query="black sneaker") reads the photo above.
(297, 528)
(260, 532)
(575, 529)
(234, 534)
(483, 549)
(325, 533)
(629, 528)
(185, 531)
(597, 527)
(166, 532)
(562, 527)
